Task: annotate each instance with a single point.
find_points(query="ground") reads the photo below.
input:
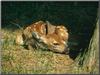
(17, 59)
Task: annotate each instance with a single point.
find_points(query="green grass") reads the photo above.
(16, 59)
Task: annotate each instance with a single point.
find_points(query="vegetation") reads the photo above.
(78, 17)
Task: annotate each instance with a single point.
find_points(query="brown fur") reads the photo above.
(62, 32)
(54, 37)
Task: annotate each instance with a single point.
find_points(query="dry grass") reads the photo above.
(16, 59)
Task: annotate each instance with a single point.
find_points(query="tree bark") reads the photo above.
(91, 60)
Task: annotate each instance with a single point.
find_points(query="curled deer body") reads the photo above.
(45, 35)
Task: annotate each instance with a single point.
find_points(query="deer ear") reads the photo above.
(23, 36)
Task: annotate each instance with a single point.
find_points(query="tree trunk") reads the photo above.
(91, 60)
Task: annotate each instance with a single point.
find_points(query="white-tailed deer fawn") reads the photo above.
(41, 33)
